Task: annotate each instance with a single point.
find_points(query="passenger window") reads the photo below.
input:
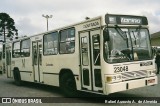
(25, 48)
(16, 50)
(51, 44)
(67, 41)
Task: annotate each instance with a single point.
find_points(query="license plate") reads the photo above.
(151, 81)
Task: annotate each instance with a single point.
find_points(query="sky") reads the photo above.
(27, 14)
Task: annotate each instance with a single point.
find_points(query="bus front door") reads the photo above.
(85, 61)
(91, 78)
(37, 60)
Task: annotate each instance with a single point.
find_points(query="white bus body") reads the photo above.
(106, 54)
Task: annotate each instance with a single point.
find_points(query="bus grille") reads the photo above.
(134, 75)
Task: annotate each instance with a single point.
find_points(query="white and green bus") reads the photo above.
(103, 55)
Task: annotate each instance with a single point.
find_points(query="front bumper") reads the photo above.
(126, 85)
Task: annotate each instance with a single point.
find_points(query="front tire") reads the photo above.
(68, 84)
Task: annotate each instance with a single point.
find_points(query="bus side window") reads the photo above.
(25, 48)
(50, 43)
(67, 41)
(96, 49)
(16, 50)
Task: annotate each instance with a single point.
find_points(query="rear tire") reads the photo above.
(17, 78)
(68, 84)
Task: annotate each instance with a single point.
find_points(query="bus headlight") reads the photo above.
(109, 79)
(113, 78)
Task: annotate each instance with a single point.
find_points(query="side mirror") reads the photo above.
(106, 35)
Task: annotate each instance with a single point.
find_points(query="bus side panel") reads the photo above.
(53, 64)
(51, 79)
(26, 76)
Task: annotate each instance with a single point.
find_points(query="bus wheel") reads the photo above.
(68, 84)
(17, 78)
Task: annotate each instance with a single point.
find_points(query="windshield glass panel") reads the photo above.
(127, 44)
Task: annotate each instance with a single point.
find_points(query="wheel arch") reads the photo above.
(15, 69)
(64, 71)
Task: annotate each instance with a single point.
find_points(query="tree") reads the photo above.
(7, 27)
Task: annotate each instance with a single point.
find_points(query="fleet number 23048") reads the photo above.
(120, 69)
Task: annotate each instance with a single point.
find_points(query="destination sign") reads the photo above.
(126, 19)
(91, 24)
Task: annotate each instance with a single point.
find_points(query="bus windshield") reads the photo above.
(127, 44)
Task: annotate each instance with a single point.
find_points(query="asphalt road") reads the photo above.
(9, 89)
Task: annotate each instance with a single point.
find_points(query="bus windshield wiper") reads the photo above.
(121, 33)
(135, 41)
(138, 34)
